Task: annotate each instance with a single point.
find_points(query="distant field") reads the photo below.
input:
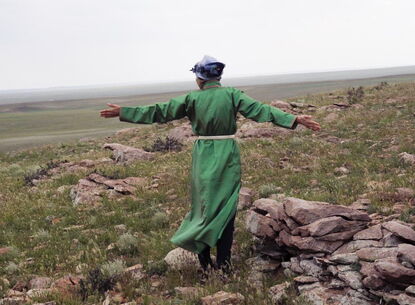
(29, 124)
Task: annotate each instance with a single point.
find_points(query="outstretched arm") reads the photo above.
(160, 112)
(259, 112)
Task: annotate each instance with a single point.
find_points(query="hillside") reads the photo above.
(46, 232)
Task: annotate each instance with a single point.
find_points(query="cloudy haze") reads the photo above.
(46, 43)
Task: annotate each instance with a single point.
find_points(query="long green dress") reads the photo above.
(216, 169)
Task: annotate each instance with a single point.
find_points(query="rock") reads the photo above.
(245, 198)
(182, 133)
(404, 299)
(36, 293)
(361, 204)
(121, 228)
(336, 284)
(331, 117)
(345, 258)
(394, 272)
(86, 192)
(68, 284)
(263, 265)
(126, 131)
(407, 158)
(400, 230)
(374, 232)
(391, 240)
(128, 154)
(259, 225)
(406, 252)
(180, 259)
(405, 193)
(46, 303)
(373, 282)
(355, 245)
(305, 212)
(322, 296)
(135, 271)
(295, 265)
(40, 282)
(13, 301)
(311, 268)
(341, 170)
(372, 254)
(351, 278)
(223, 298)
(307, 243)
(187, 292)
(410, 290)
(305, 279)
(328, 225)
(4, 251)
(281, 105)
(278, 293)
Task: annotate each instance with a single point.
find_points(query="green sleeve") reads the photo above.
(158, 113)
(259, 112)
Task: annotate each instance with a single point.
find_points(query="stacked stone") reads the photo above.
(329, 249)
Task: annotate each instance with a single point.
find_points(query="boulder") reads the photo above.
(182, 133)
(278, 293)
(181, 259)
(407, 158)
(245, 198)
(400, 230)
(40, 282)
(395, 272)
(374, 232)
(406, 252)
(307, 243)
(328, 225)
(261, 226)
(128, 154)
(372, 254)
(305, 212)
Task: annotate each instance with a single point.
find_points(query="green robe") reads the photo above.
(216, 169)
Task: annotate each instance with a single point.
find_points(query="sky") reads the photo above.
(56, 43)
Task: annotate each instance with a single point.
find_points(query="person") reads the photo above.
(216, 169)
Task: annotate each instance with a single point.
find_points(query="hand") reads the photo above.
(308, 122)
(113, 112)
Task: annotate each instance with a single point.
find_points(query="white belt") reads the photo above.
(230, 136)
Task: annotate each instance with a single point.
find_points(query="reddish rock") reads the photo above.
(40, 282)
(407, 158)
(374, 232)
(307, 243)
(305, 212)
(355, 245)
(4, 250)
(400, 230)
(395, 272)
(260, 225)
(281, 105)
(372, 254)
(328, 225)
(223, 298)
(404, 299)
(406, 252)
(68, 284)
(128, 154)
(278, 292)
(343, 236)
(373, 281)
(245, 198)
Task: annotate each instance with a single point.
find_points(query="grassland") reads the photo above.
(368, 137)
(25, 125)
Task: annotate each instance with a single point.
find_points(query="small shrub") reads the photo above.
(381, 86)
(160, 219)
(354, 95)
(268, 189)
(42, 235)
(157, 268)
(39, 173)
(113, 269)
(12, 268)
(96, 282)
(167, 145)
(127, 244)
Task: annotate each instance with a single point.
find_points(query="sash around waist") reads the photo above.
(222, 137)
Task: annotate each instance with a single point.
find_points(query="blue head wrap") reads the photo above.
(208, 68)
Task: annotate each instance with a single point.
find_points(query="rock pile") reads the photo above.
(334, 253)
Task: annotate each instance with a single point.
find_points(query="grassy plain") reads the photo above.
(368, 139)
(24, 125)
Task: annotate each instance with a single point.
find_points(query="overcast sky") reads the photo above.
(47, 43)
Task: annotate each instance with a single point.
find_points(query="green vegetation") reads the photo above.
(51, 237)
